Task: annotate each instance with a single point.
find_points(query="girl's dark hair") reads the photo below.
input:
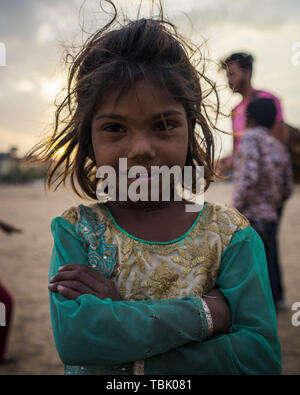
(263, 111)
(118, 57)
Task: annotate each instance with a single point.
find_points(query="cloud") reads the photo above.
(256, 14)
(35, 31)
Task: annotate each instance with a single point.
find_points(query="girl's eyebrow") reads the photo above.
(154, 118)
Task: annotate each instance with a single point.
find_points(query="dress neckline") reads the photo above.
(155, 242)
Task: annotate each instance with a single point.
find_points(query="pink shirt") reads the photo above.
(239, 115)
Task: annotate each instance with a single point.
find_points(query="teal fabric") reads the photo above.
(252, 347)
(99, 333)
(102, 337)
(102, 255)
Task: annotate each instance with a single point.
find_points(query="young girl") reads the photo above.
(146, 287)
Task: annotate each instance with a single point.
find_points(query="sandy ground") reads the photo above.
(24, 261)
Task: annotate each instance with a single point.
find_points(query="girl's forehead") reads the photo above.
(142, 95)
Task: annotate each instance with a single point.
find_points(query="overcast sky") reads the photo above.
(34, 33)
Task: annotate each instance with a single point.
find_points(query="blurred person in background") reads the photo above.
(7, 299)
(263, 181)
(239, 69)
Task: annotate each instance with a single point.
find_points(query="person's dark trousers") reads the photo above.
(7, 300)
(267, 232)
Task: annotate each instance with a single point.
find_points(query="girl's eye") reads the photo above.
(167, 125)
(113, 128)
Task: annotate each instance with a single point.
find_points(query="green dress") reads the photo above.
(160, 326)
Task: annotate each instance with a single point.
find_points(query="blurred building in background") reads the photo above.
(8, 161)
(13, 170)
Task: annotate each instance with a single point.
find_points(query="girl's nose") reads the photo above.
(141, 147)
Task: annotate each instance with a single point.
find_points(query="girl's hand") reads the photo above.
(74, 280)
(220, 311)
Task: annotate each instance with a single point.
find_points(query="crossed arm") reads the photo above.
(171, 335)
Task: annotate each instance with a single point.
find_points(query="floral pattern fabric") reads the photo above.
(144, 270)
(263, 177)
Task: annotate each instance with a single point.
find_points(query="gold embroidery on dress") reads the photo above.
(147, 257)
(189, 266)
(135, 284)
(127, 249)
(71, 215)
(164, 282)
(191, 255)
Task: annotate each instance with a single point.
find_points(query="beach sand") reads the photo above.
(24, 263)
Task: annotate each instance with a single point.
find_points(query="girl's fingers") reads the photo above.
(84, 280)
(75, 285)
(71, 289)
(71, 266)
(89, 277)
(69, 275)
(103, 291)
(68, 293)
(83, 268)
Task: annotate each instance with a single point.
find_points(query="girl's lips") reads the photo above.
(140, 176)
(143, 178)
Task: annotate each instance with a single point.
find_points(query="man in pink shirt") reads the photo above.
(239, 114)
(239, 67)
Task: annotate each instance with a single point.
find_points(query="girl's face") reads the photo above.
(131, 126)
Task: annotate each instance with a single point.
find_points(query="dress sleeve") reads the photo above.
(252, 346)
(91, 331)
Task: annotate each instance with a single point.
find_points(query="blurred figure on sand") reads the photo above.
(7, 299)
(239, 67)
(263, 181)
(7, 228)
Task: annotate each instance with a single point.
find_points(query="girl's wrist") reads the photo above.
(218, 312)
(210, 326)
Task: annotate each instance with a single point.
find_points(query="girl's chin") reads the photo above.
(143, 205)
